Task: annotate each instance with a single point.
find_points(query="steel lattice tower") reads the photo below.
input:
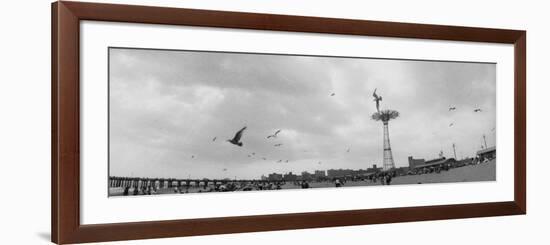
(385, 116)
(388, 157)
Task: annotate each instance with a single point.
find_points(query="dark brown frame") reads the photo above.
(65, 175)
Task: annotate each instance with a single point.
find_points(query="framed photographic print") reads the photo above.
(177, 122)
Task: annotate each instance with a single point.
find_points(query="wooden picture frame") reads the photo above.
(65, 169)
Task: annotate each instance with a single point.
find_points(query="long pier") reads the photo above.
(136, 182)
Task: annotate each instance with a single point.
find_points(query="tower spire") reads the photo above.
(385, 116)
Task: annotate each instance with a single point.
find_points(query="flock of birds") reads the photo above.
(453, 108)
(237, 138)
(237, 141)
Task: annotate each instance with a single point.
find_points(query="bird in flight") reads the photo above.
(214, 139)
(274, 135)
(493, 129)
(237, 138)
(452, 108)
(277, 145)
(225, 169)
(286, 161)
(279, 161)
(264, 158)
(450, 125)
(192, 156)
(348, 150)
(332, 94)
(477, 110)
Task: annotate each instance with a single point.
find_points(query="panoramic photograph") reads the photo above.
(188, 121)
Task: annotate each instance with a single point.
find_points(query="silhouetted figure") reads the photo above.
(377, 99)
(337, 183)
(237, 138)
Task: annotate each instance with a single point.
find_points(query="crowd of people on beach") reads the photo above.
(131, 186)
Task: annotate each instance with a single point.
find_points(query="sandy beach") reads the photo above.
(471, 173)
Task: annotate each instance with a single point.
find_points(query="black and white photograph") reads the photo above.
(192, 121)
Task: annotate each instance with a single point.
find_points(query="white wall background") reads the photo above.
(25, 121)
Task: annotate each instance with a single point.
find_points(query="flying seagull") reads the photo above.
(237, 138)
(452, 108)
(286, 161)
(225, 169)
(477, 110)
(332, 94)
(277, 145)
(450, 125)
(192, 156)
(280, 161)
(348, 150)
(274, 135)
(214, 139)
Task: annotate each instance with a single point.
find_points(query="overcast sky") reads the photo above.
(167, 106)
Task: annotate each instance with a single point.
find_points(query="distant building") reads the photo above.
(290, 177)
(338, 173)
(374, 169)
(435, 160)
(263, 177)
(436, 163)
(320, 174)
(487, 153)
(275, 177)
(401, 170)
(306, 176)
(415, 162)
